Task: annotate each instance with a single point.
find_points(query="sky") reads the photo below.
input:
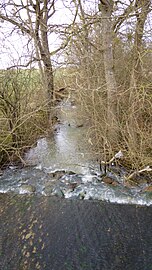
(13, 47)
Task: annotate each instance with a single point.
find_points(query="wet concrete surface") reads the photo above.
(50, 233)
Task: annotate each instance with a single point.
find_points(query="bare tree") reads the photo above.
(32, 17)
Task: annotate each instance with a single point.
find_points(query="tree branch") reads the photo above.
(122, 18)
(19, 25)
(26, 65)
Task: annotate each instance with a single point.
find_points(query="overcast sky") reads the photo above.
(13, 47)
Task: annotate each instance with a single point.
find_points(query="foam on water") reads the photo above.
(69, 150)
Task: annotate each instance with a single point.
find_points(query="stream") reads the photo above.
(64, 166)
(59, 213)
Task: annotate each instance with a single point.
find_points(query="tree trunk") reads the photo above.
(41, 33)
(106, 8)
(142, 8)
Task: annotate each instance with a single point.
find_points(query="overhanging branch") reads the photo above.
(26, 65)
(15, 23)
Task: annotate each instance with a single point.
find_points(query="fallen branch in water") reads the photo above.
(146, 169)
(118, 155)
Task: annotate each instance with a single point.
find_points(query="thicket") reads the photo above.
(106, 54)
(91, 94)
(23, 115)
(24, 111)
(113, 55)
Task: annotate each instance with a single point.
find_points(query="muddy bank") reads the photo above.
(50, 233)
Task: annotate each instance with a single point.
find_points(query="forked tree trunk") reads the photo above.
(41, 35)
(37, 28)
(106, 8)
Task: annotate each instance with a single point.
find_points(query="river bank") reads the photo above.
(64, 165)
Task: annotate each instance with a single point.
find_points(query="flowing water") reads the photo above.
(64, 165)
(68, 149)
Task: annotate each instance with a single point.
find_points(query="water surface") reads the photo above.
(68, 153)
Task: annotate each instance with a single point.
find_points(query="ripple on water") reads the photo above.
(68, 150)
(70, 186)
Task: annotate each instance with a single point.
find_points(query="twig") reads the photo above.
(116, 156)
(146, 169)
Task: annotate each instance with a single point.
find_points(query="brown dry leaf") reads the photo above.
(28, 235)
(34, 250)
(37, 265)
(31, 226)
(25, 262)
(35, 221)
(43, 246)
(24, 252)
(31, 242)
(27, 255)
